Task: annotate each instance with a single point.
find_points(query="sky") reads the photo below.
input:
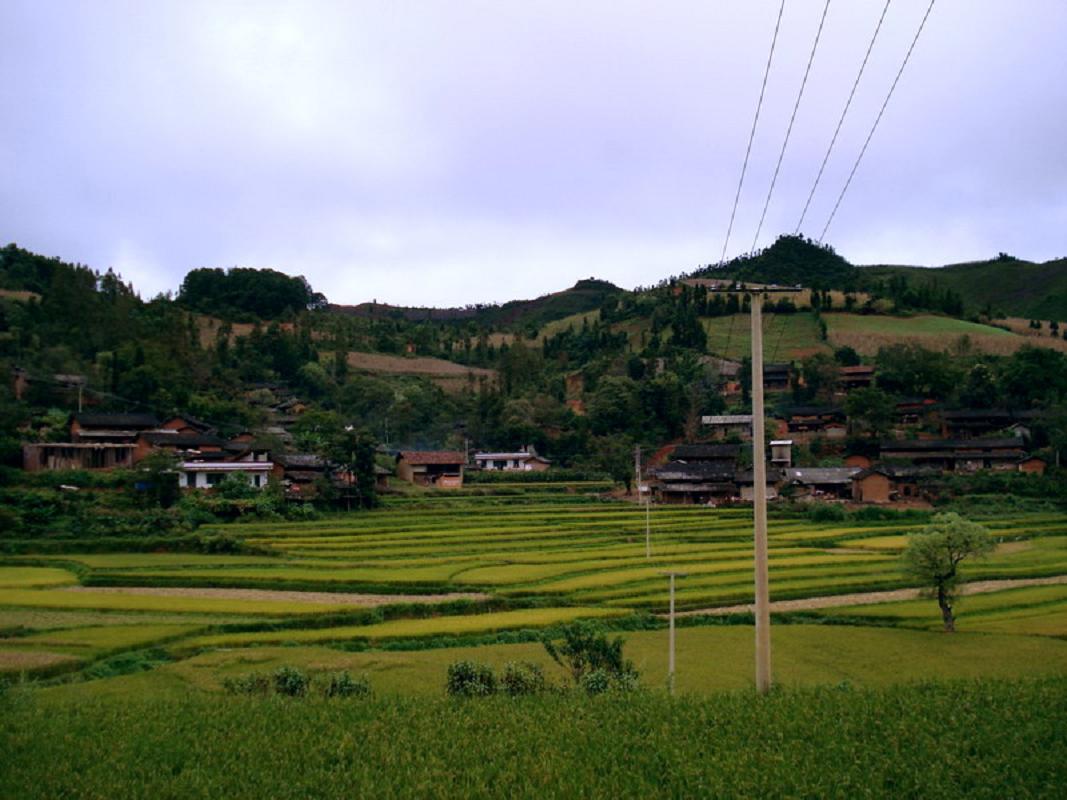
(447, 153)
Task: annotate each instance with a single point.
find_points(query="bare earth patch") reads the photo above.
(17, 661)
(866, 598)
(341, 598)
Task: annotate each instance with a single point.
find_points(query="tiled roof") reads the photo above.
(419, 457)
(117, 421)
(697, 452)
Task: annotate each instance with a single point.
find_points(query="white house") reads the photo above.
(525, 460)
(208, 474)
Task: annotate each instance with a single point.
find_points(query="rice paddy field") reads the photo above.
(397, 590)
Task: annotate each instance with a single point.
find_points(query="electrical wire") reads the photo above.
(855, 166)
(752, 133)
(841, 121)
(789, 129)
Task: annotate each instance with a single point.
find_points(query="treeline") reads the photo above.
(243, 292)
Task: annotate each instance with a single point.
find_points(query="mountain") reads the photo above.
(585, 295)
(1007, 285)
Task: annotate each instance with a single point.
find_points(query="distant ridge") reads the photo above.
(585, 295)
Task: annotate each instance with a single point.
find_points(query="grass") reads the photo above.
(785, 336)
(34, 577)
(57, 599)
(1004, 739)
(410, 628)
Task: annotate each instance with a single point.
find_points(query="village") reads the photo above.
(816, 453)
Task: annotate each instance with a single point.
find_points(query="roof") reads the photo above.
(301, 461)
(926, 445)
(781, 442)
(698, 452)
(776, 369)
(192, 422)
(859, 369)
(432, 457)
(978, 413)
(117, 421)
(815, 411)
(898, 471)
(774, 474)
(516, 456)
(682, 471)
(728, 419)
(821, 475)
(695, 488)
(187, 440)
(226, 466)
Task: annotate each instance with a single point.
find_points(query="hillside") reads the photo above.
(1007, 285)
(585, 295)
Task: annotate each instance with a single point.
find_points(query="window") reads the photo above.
(256, 481)
(214, 478)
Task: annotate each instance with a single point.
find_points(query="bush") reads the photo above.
(342, 684)
(596, 682)
(586, 650)
(821, 512)
(523, 677)
(291, 682)
(249, 683)
(467, 679)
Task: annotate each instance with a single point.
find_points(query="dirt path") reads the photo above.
(341, 598)
(862, 598)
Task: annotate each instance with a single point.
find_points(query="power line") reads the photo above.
(752, 133)
(844, 113)
(878, 119)
(789, 129)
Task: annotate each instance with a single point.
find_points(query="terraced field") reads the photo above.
(483, 567)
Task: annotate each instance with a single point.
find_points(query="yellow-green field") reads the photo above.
(495, 567)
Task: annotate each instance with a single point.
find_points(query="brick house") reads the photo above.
(440, 468)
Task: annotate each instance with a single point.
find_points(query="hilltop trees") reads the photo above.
(934, 555)
(264, 293)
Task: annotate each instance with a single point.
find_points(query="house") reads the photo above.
(1034, 465)
(829, 420)
(888, 482)
(704, 453)
(964, 455)
(915, 410)
(116, 428)
(820, 482)
(187, 446)
(523, 460)
(184, 423)
(858, 377)
(681, 483)
(298, 472)
(209, 474)
(44, 456)
(745, 480)
(971, 422)
(725, 426)
(782, 452)
(439, 468)
(776, 377)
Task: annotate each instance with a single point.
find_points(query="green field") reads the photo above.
(785, 336)
(975, 740)
(499, 567)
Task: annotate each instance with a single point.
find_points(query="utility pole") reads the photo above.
(759, 504)
(670, 636)
(648, 522)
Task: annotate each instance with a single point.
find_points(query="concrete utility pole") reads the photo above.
(759, 504)
(638, 482)
(670, 636)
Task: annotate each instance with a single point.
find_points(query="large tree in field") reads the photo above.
(934, 555)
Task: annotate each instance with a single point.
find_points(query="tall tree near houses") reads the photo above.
(934, 555)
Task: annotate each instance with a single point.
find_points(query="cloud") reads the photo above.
(449, 153)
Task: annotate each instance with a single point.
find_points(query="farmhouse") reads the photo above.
(77, 455)
(187, 446)
(970, 422)
(964, 455)
(208, 474)
(858, 377)
(820, 482)
(746, 482)
(776, 377)
(116, 428)
(915, 410)
(886, 483)
(524, 460)
(725, 426)
(681, 483)
(440, 468)
(828, 420)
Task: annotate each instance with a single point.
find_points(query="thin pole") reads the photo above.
(759, 505)
(648, 522)
(670, 655)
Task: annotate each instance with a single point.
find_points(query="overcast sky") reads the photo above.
(454, 152)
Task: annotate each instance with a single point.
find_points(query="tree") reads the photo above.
(586, 650)
(871, 410)
(934, 555)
